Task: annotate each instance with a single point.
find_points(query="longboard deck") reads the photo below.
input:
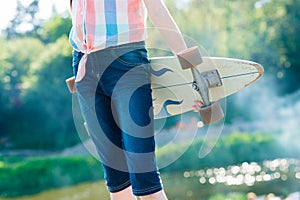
(172, 86)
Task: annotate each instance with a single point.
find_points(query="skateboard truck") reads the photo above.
(189, 59)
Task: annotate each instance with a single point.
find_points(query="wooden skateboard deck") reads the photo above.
(172, 86)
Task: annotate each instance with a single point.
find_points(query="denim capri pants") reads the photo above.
(116, 103)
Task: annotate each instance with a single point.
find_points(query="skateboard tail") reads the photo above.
(71, 84)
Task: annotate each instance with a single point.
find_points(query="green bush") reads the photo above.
(230, 149)
(38, 174)
(232, 196)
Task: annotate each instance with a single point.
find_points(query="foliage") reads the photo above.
(262, 31)
(278, 24)
(232, 149)
(49, 100)
(16, 58)
(37, 174)
(232, 196)
(15, 63)
(87, 191)
(55, 28)
(35, 109)
(34, 97)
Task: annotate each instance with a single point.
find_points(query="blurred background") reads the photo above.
(41, 153)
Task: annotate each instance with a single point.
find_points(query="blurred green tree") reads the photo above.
(15, 62)
(49, 121)
(279, 23)
(35, 103)
(56, 27)
(263, 31)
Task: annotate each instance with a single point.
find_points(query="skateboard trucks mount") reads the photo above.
(210, 112)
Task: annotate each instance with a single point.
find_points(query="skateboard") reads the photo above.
(177, 81)
(175, 90)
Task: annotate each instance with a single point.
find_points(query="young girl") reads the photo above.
(112, 73)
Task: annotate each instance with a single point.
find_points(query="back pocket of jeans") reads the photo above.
(134, 58)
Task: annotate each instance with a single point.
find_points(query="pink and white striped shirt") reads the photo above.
(98, 24)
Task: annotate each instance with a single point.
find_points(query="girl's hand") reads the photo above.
(197, 106)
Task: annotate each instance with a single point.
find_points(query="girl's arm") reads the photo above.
(164, 22)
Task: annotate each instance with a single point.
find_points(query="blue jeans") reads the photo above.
(116, 103)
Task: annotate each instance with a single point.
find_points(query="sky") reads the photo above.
(7, 12)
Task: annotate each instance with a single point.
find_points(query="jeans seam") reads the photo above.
(119, 187)
(150, 189)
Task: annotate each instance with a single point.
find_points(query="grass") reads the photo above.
(84, 191)
(175, 185)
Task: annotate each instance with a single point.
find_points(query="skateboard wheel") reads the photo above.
(212, 113)
(190, 58)
(71, 84)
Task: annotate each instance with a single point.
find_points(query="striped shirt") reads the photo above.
(98, 24)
